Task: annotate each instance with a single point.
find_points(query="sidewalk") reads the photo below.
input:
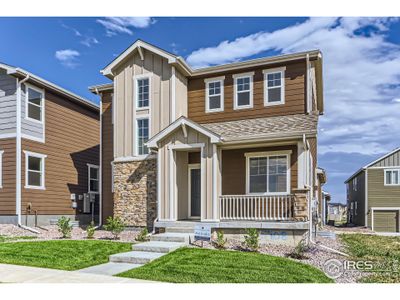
(23, 274)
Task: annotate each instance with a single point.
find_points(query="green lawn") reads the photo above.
(191, 265)
(61, 254)
(15, 238)
(383, 251)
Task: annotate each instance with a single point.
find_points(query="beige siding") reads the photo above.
(390, 161)
(380, 195)
(177, 138)
(160, 111)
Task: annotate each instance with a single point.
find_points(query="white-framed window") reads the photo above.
(34, 170)
(243, 90)
(355, 182)
(1, 168)
(274, 86)
(268, 173)
(392, 177)
(143, 91)
(142, 135)
(34, 103)
(214, 94)
(93, 179)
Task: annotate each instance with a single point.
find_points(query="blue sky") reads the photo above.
(361, 66)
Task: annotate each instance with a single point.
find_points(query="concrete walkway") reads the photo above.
(23, 274)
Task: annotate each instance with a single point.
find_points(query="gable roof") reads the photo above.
(139, 45)
(182, 121)
(372, 163)
(21, 73)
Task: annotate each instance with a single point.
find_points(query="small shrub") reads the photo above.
(251, 240)
(143, 235)
(64, 227)
(299, 251)
(220, 242)
(90, 230)
(115, 226)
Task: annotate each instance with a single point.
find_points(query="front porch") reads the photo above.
(260, 185)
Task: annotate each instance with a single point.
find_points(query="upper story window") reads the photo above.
(243, 90)
(274, 86)
(355, 184)
(142, 92)
(34, 103)
(93, 179)
(267, 173)
(142, 135)
(214, 94)
(34, 170)
(392, 177)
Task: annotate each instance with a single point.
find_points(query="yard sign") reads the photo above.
(202, 232)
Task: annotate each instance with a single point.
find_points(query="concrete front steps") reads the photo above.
(143, 253)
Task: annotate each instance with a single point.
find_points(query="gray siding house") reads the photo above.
(373, 194)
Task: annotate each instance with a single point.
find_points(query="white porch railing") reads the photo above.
(261, 208)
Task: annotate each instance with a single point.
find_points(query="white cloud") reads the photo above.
(361, 77)
(68, 57)
(115, 25)
(88, 41)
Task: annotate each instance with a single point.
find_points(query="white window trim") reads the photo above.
(43, 167)
(235, 101)
(136, 78)
(207, 102)
(249, 155)
(1, 168)
(42, 106)
(391, 184)
(266, 89)
(91, 166)
(140, 117)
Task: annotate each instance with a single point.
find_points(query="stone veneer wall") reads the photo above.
(135, 192)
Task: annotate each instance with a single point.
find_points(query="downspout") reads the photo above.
(18, 200)
(100, 162)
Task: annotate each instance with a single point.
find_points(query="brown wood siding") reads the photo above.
(294, 96)
(72, 141)
(107, 149)
(7, 192)
(234, 168)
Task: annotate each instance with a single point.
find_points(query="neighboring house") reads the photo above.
(373, 194)
(49, 144)
(221, 145)
(337, 213)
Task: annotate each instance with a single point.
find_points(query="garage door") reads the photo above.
(386, 221)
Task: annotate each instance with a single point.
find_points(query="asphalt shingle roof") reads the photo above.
(269, 126)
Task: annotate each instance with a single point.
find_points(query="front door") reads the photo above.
(194, 191)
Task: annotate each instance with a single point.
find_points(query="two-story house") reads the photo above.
(49, 151)
(233, 146)
(373, 194)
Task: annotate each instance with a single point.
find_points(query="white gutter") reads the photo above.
(100, 162)
(18, 198)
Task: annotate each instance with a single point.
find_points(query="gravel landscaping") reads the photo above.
(51, 233)
(315, 255)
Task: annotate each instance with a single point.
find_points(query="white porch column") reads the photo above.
(172, 182)
(301, 169)
(215, 165)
